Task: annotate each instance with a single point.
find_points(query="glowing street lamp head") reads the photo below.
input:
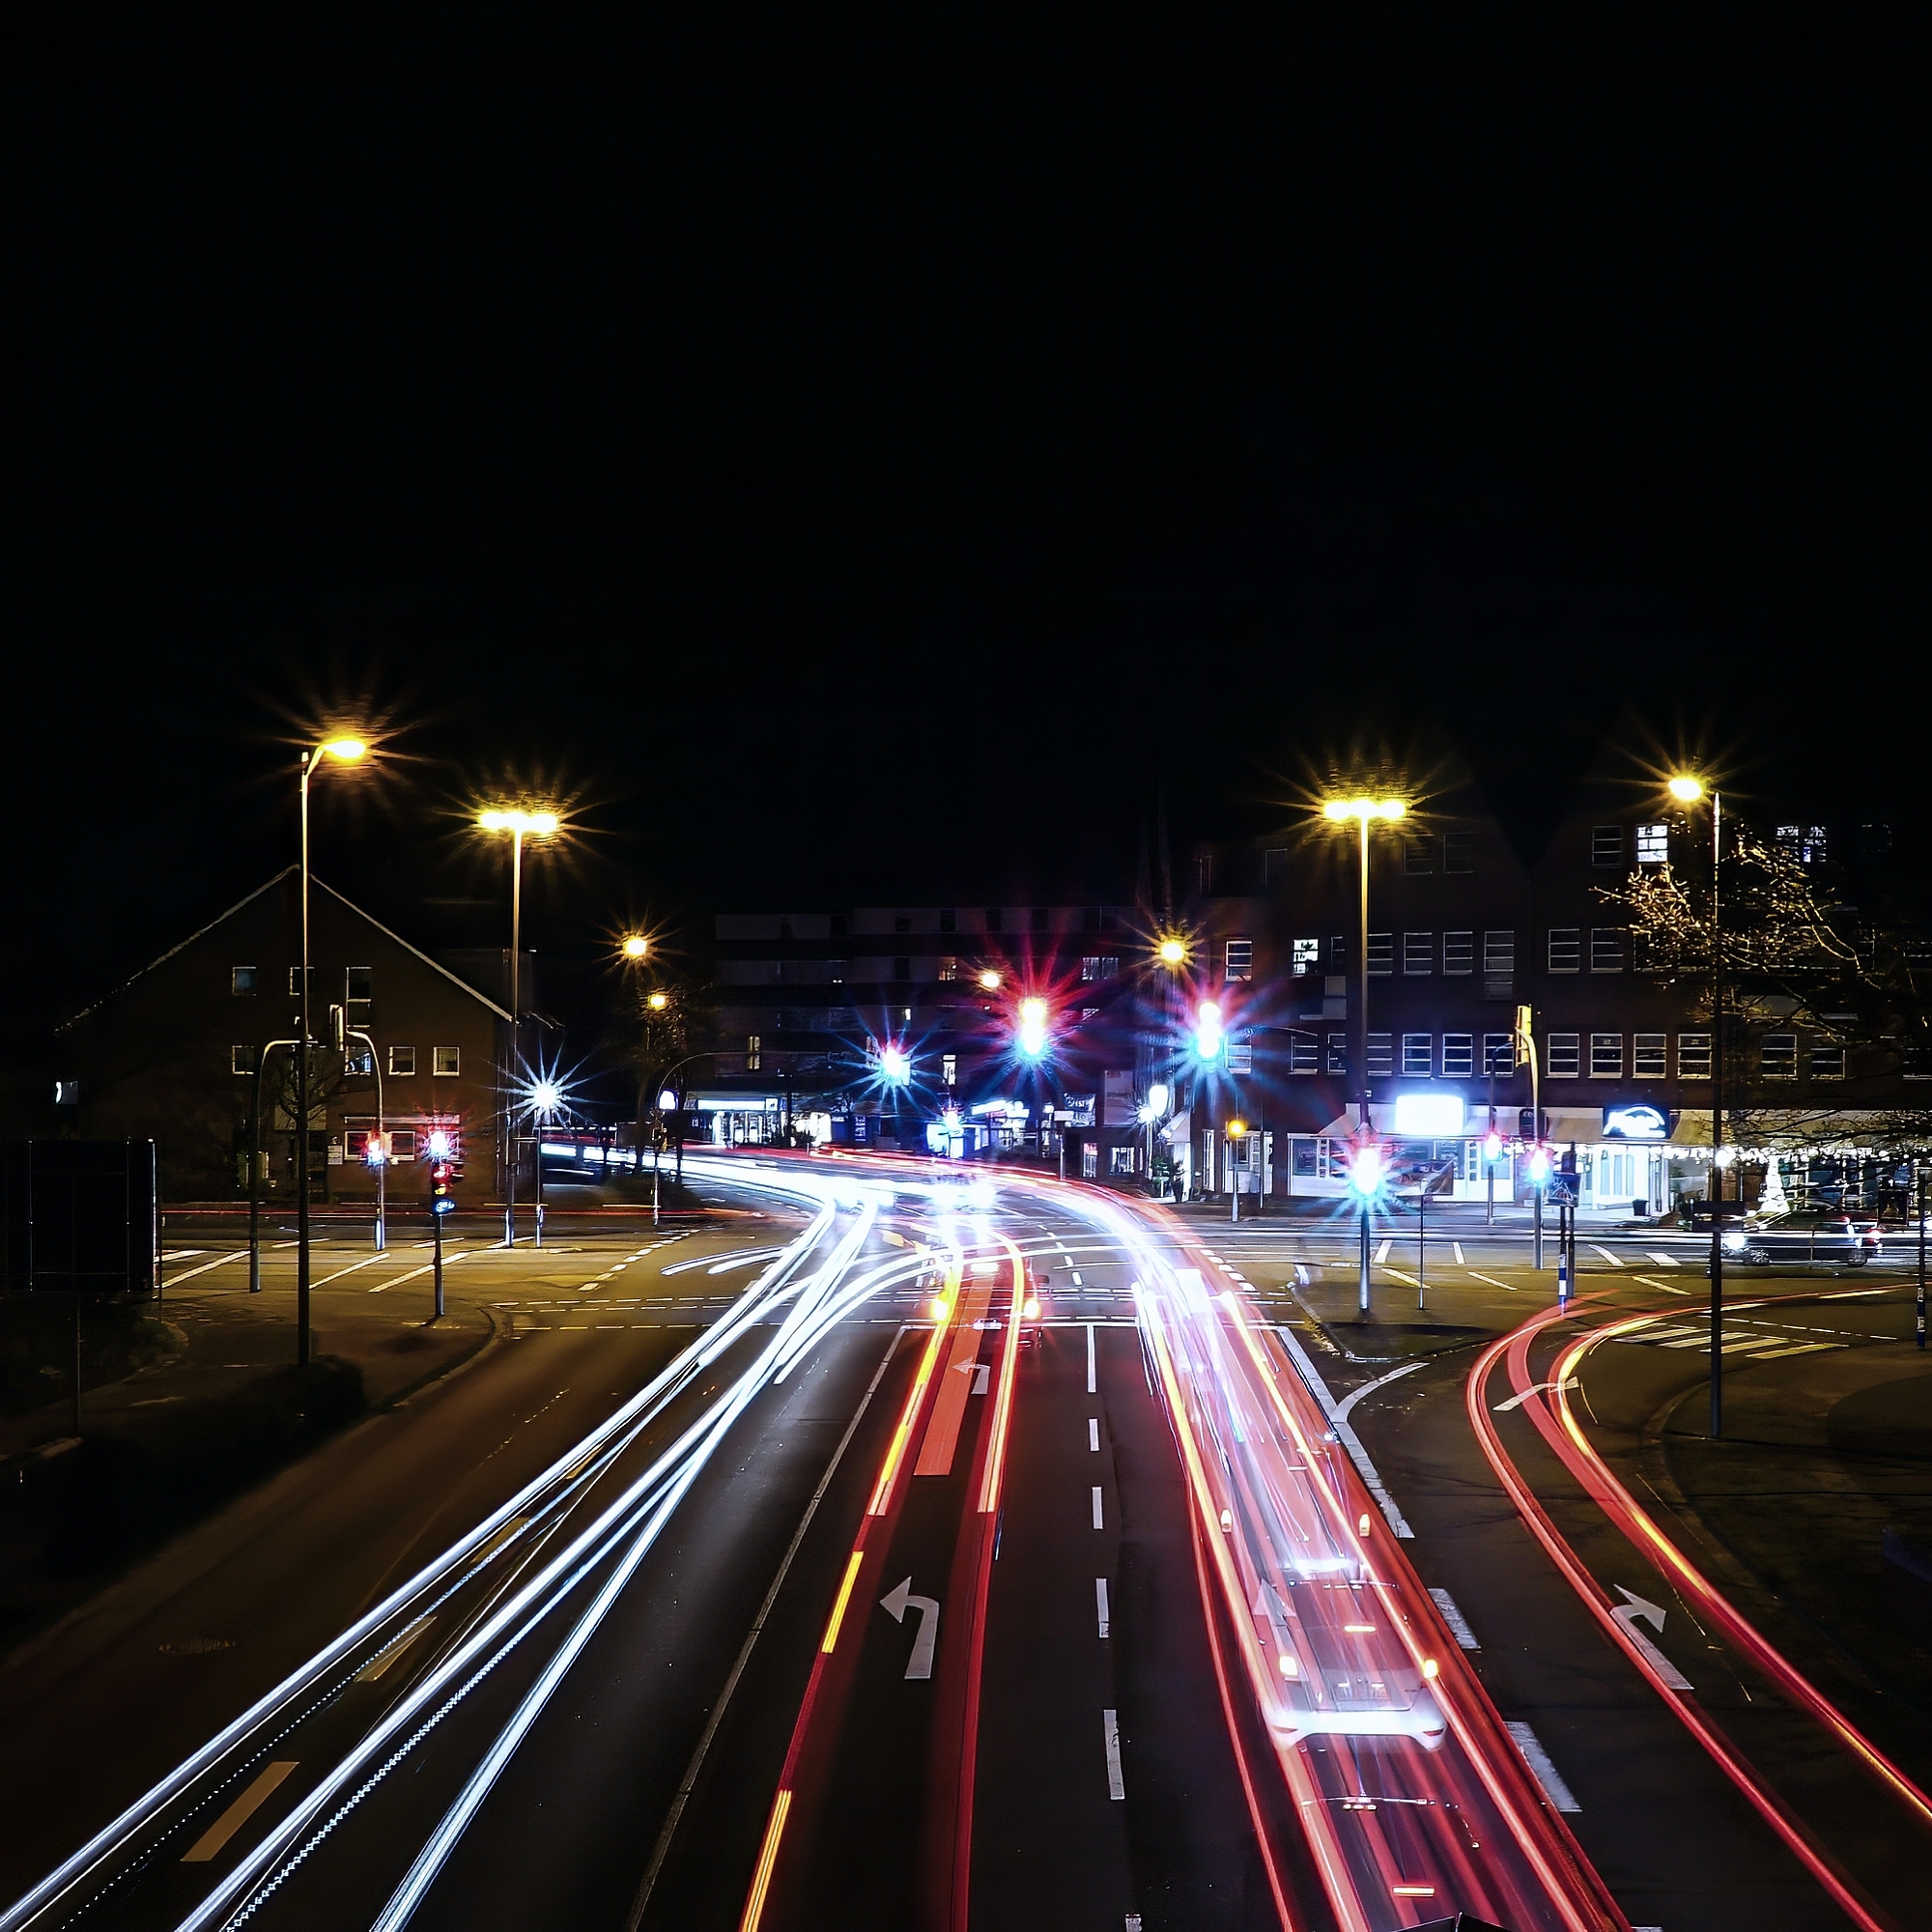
(511, 818)
(1366, 1170)
(1539, 1166)
(546, 1095)
(895, 1067)
(345, 751)
(658, 1002)
(1493, 1146)
(1685, 789)
(439, 1144)
(1338, 808)
(1172, 952)
(1237, 1128)
(636, 945)
(989, 981)
(1157, 1098)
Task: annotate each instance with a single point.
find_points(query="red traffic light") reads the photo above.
(1493, 1146)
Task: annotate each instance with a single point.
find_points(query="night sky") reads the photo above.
(860, 472)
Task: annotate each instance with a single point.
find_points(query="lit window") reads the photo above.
(1102, 967)
(1694, 1056)
(1307, 955)
(948, 967)
(1120, 1159)
(1089, 1162)
(1240, 960)
(753, 1053)
(1607, 949)
(1418, 955)
(1564, 1053)
(1458, 953)
(1653, 845)
(1648, 1053)
(66, 1093)
(1418, 1056)
(1240, 1056)
(1806, 842)
(402, 1062)
(359, 1060)
(1777, 1056)
(1381, 955)
(1459, 1055)
(1566, 949)
(1458, 851)
(1382, 1055)
(1304, 1053)
(1607, 1055)
(445, 1061)
(241, 1059)
(949, 1069)
(1606, 845)
(1828, 1060)
(1498, 1053)
(242, 981)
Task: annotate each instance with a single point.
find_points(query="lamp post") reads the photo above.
(379, 1155)
(1237, 1131)
(1363, 813)
(342, 751)
(1687, 789)
(518, 823)
(544, 1098)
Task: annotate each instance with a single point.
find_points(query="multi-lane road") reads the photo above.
(939, 1554)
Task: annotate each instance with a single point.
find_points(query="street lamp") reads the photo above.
(341, 751)
(1172, 951)
(1363, 813)
(1237, 1131)
(1687, 788)
(636, 945)
(519, 824)
(546, 1097)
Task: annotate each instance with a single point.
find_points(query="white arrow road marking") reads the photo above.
(1515, 1401)
(1637, 1608)
(1615, 1260)
(1110, 1731)
(896, 1606)
(1354, 1396)
(978, 1371)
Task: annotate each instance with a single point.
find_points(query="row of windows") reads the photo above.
(1462, 1056)
(1456, 955)
(444, 1061)
(245, 981)
(1093, 919)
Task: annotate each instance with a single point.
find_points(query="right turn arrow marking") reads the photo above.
(1636, 1609)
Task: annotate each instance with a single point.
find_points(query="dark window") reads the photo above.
(243, 981)
(361, 984)
(1418, 855)
(1458, 851)
(784, 928)
(903, 922)
(1091, 919)
(241, 1058)
(949, 921)
(1040, 918)
(1606, 845)
(838, 926)
(901, 969)
(992, 919)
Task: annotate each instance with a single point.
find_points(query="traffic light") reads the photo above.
(1032, 1035)
(440, 1145)
(1207, 1035)
(1539, 1166)
(1367, 1169)
(1492, 1141)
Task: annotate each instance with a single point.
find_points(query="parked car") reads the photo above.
(1805, 1234)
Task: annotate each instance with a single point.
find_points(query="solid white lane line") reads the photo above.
(238, 1814)
(1650, 1280)
(1110, 1731)
(1547, 1773)
(1662, 1259)
(1090, 1359)
(372, 1671)
(1411, 1280)
(1354, 1396)
(1456, 1246)
(367, 1260)
(1094, 1433)
(1615, 1260)
(1097, 1522)
(1458, 1624)
(1344, 1434)
(238, 1254)
(1491, 1280)
(1100, 1602)
(1383, 1252)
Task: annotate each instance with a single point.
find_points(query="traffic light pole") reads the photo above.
(255, 1172)
(435, 1235)
(1362, 1044)
(1717, 1127)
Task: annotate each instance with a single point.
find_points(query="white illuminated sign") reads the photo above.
(1429, 1115)
(1635, 1123)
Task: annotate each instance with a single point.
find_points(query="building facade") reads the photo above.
(180, 1052)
